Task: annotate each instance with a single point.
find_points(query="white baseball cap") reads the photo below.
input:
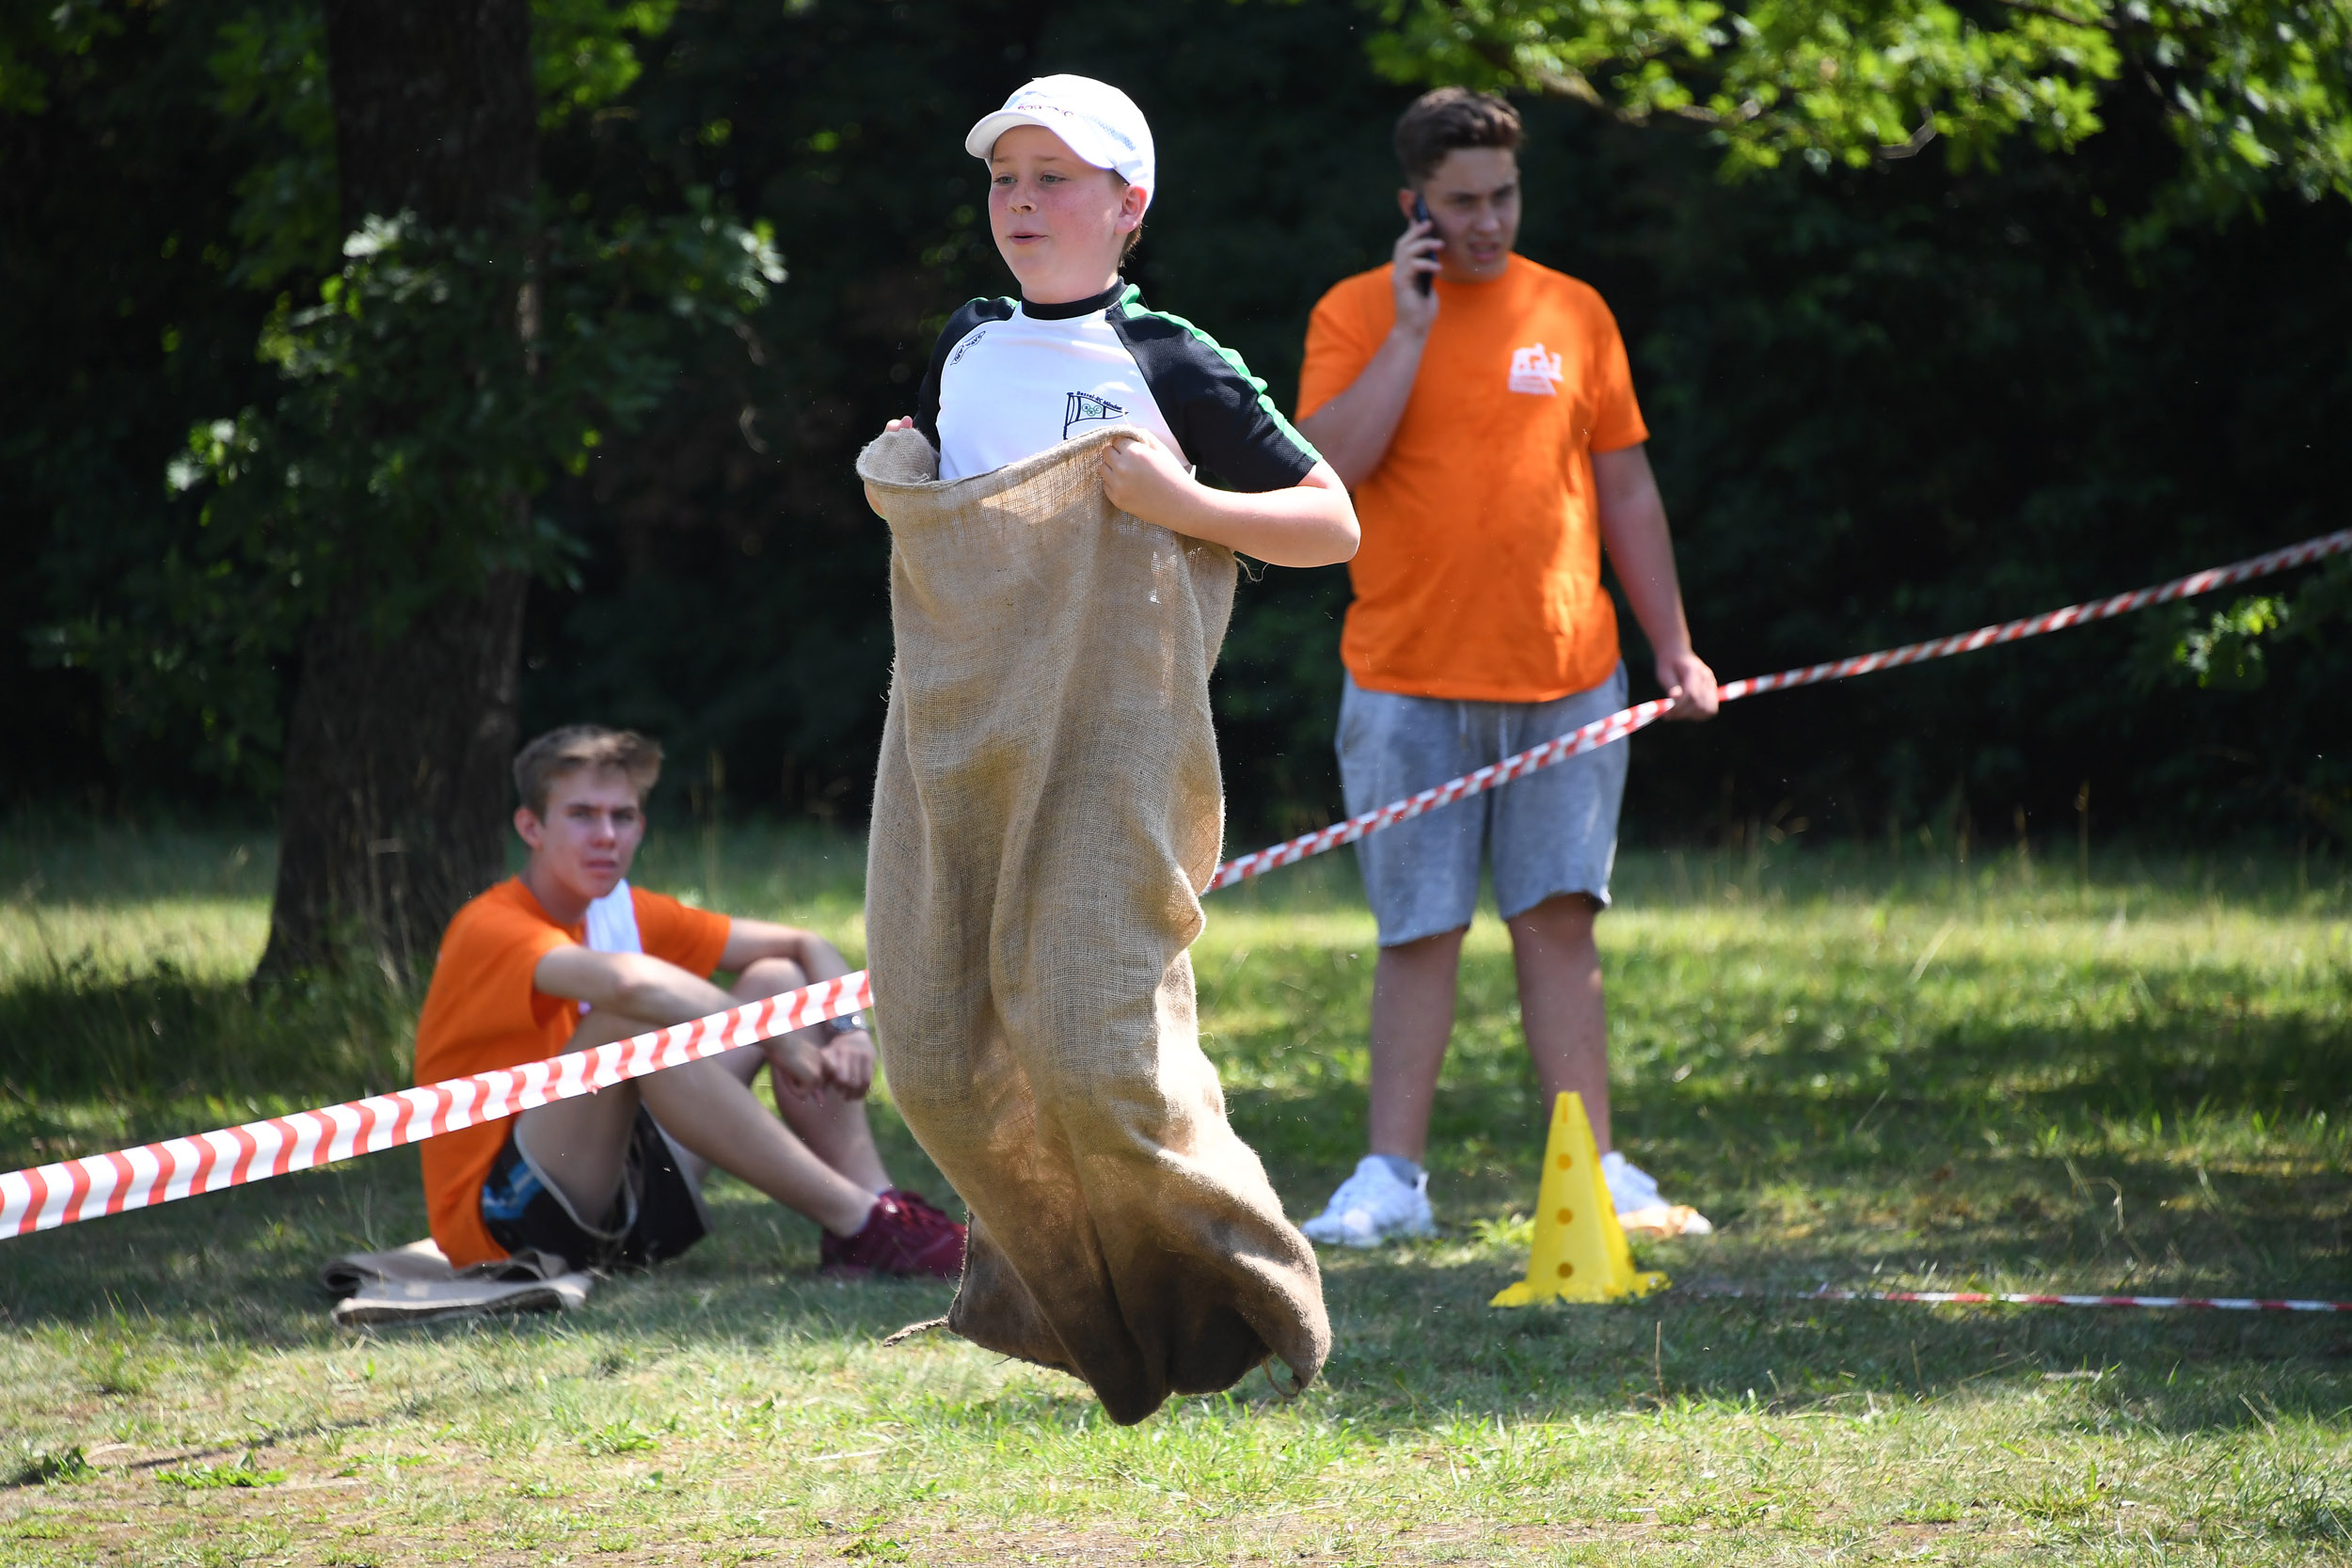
(1100, 123)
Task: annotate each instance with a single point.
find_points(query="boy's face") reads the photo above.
(1059, 222)
(1473, 199)
(589, 833)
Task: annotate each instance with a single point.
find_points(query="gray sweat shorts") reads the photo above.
(1549, 833)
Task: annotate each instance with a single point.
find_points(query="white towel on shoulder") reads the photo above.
(613, 923)
(612, 928)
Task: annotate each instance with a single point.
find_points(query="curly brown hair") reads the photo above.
(1437, 123)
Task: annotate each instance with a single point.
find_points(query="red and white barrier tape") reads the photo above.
(1601, 731)
(45, 1197)
(2014, 1298)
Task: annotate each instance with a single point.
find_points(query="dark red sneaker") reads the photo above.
(904, 1236)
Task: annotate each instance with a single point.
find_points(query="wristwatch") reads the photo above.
(845, 1025)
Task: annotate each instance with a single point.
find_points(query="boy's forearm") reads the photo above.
(634, 985)
(749, 940)
(1308, 524)
(666, 999)
(1641, 546)
(1643, 555)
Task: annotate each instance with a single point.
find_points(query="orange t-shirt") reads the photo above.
(1479, 578)
(483, 1013)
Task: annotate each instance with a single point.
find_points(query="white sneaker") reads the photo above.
(1370, 1207)
(1633, 1192)
(1630, 1187)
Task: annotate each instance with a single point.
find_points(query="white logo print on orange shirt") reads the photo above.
(1533, 371)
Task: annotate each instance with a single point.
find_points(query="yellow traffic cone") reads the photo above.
(1580, 1252)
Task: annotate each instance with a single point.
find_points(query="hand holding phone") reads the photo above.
(1423, 281)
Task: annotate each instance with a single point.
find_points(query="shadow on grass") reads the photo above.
(243, 1265)
(1415, 1337)
(2005, 1122)
(2001, 1123)
(131, 1299)
(85, 1055)
(1407, 1324)
(2118, 1114)
(2067, 1182)
(2118, 1036)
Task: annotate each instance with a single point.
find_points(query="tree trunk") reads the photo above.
(397, 782)
(434, 109)
(396, 790)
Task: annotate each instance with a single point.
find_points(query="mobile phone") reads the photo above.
(1423, 280)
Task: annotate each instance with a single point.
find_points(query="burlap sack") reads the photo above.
(1047, 811)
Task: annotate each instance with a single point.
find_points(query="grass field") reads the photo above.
(1867, 1073)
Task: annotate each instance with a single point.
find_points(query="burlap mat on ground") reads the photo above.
(415, 1284)
(1047, 810)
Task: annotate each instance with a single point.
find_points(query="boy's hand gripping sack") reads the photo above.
(1047, 811)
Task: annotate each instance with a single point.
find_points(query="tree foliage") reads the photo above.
(2257, 93)
(2227, 649)
(584, 52)
(399, 444)
(35, 41)
(1888, 399)
(404, 455)
(268, 70)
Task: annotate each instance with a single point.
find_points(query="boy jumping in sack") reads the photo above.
(1047, 807)
(567, 957)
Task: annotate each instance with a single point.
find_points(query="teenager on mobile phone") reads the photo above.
(1480, 409)
(1425, 279)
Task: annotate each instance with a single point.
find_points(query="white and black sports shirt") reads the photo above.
(1009, 380)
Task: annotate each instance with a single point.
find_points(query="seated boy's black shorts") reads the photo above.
(660, 1213)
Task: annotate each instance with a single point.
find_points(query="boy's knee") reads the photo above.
(1567, 916)
(767, 977)
(592, 1129)
(602, 1026)
(1437, 942)
(1437, 954)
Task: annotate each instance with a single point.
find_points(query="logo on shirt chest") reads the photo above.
(1085, 408)
(971, 342)
(1535, 372)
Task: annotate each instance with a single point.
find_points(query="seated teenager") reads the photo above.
(613, 1179)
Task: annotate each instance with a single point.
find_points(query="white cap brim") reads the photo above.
(1078, 135)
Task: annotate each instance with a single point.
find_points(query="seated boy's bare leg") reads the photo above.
(836, 1129)
(581, 1145)
(833, 1126)
(705, 1106)
(766, 978)
(709, 1109)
